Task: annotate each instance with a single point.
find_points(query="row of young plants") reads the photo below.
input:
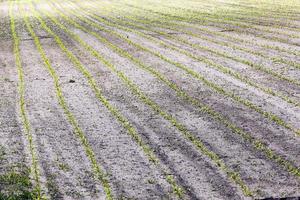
(34, 167)
(215, 87)
(137, 91)
(203, 108)
(131, 130)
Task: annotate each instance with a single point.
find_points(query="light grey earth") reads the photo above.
(107, 82)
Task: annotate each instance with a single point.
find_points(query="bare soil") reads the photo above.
(66, 170)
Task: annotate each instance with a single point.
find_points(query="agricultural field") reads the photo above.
(149, 99)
